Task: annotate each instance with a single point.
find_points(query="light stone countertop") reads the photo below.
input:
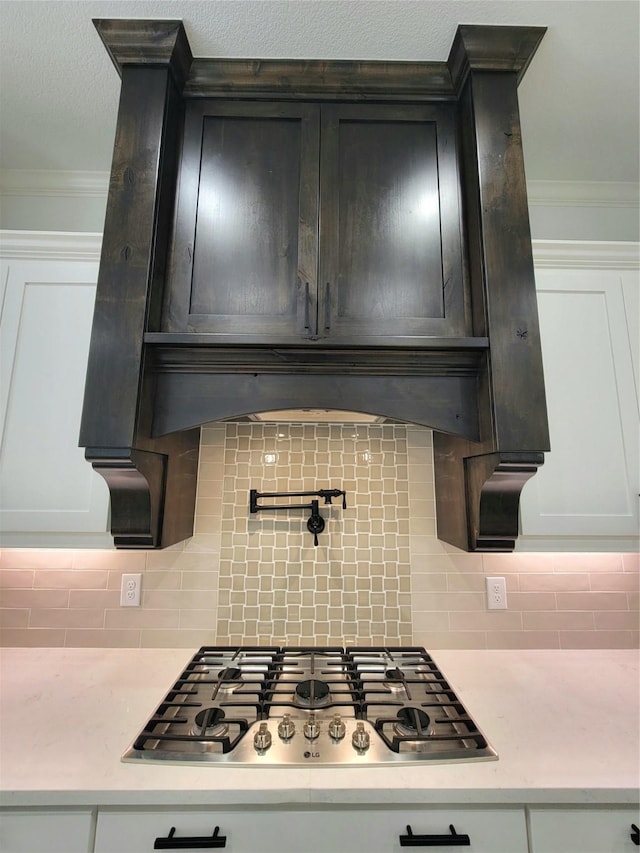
(564, 723)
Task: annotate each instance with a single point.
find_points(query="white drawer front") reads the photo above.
(35, 831)
(313, 831)
(583, 830)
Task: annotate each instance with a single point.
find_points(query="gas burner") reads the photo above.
(229, 678)
(305, 707)
(395, 680)
(413, 721)
(209, 723)
(394, 675)
(312, 693)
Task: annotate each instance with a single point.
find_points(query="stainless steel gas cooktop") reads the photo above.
(310, 705)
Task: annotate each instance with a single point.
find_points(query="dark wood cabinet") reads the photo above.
(304, 222)
(316, 234)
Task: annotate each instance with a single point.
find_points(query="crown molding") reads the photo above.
(583, 193)
(50, 182)
(547, 254)
(50, 245)
(45, 182)
(585, 254)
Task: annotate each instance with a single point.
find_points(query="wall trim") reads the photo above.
(585, 254)
(583, 194)
(52, 182)
(51, 245)
(547, 254)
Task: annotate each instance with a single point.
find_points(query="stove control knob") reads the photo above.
(311, 729)
(360, 738)
(337, 728)
(262, 738)
(286, 727)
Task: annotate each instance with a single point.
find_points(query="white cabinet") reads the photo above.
(579, 830)
(306, 830)
(49, 494)
(46, 831)
(585, 496)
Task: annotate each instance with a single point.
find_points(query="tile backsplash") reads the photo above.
(378, 575)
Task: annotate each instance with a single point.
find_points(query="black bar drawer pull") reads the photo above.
(195, 842)
(635, 835)
(452, 840)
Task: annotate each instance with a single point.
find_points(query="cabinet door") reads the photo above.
(49, 495)
(244, 258)
(390, 242)
(588, 486)
(44, 831)
(583, 830)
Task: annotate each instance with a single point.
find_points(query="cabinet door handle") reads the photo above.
(195, 842)
(327, 307)
(452, 840)
(635, 835)
(307, 298)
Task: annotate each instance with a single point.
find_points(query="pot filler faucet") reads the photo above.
(315, 522)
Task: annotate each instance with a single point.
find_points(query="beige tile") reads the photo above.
(447, 640)
(554, 582)
(616, 620)
(136, 617)
(558, 620)
(14, 618)
(621, 581)
(120, 639)
(200, 580)
(94, 599)
(32, 637)
(591, 600)
(599, 639)
(429, 582)
(523, 640)
(182, 639)
(41, 598)
(466, 582)
(430, 621)
(36, 558)
(500, 564)
(70, 579)
(631, 562)
(452, 601)
(533, 601)
(179, 599)
(67, 618)
(155, 580)
(16, 578)
(492, 620)
(588, 562)
(106, 560)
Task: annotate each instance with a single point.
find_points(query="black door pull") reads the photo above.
(195, 842)
(452, 840)
(635, 835)
(307, 297)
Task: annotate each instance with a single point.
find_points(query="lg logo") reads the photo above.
(312, 754)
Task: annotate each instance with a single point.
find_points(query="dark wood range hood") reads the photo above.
(286, 234)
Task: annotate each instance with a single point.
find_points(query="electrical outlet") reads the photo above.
(496, 594)
(130, 590)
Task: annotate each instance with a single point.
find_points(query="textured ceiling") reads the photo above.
(579, 99)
